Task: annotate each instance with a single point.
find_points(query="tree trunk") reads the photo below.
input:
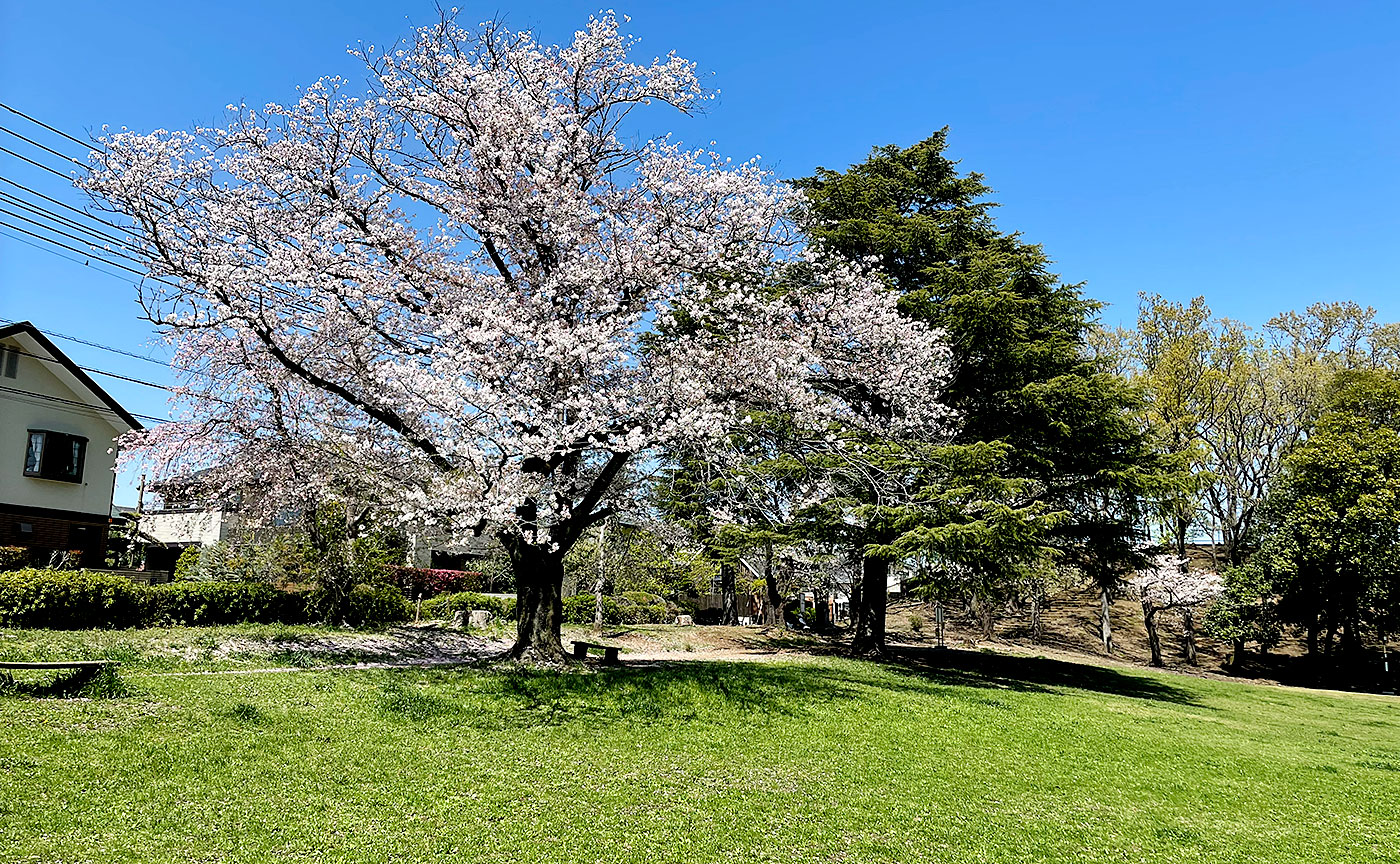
(1105, 624)
(1154, 640)
(1188, 637)
(1037, 625)
(598, 585)
(774, 618)
(729, 601)
(601, 582)
(854, 616)
(870, 630)
(987, 617)
(539, 582)
(822, 612)
(1237, 655)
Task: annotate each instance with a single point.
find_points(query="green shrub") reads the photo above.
(362, 606)
(187, 565)
(82, 599)
(69, 599)
(639, 607)
(633, 607)
(444, 606)
(579, 609)
(13, 557)
(224, 603)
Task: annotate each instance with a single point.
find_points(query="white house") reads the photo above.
(57, 450)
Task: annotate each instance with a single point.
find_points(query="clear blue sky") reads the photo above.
(1244, 151)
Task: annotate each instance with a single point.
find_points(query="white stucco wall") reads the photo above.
(20, 413)
(189, 526)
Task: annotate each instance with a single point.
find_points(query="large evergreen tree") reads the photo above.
(1073, 464)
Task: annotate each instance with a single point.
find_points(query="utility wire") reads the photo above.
(57, 362)
(143, 274)
(99, 345)
(198, 397)
(116, 276)
(63, 156)
(88, 145)
(74, 402)
(37, 164)
(64, 206)
(63, 220)
(12, 214)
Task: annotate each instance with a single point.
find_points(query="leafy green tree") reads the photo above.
(1331, 544)
(1227, 403)
(1244, 612)
(1074, 464)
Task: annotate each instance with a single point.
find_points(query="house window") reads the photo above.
(9, 362)
(55, 456)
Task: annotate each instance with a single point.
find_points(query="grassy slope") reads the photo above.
(949, 756)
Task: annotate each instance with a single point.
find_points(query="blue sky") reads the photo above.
(1244, 151)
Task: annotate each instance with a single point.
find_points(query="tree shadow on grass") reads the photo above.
(101, 682)
(952, 666)
(655, 693)
(678, 691)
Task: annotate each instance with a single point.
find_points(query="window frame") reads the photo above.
(55, 450)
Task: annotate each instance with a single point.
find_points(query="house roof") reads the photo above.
(27, 329)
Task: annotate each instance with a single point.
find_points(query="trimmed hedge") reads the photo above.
(84, 599)
(70, 599)
(634, 607)
(444, 606)
(364, 606)
(224, 603)
(631, 608)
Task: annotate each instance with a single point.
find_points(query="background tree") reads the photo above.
(1244, 612)
(1170, 583)
(446, 288)
(1227, 403)
(1331, 543)
(1023, 376)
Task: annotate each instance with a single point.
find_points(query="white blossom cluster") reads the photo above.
(1169, 583)
(469, 295)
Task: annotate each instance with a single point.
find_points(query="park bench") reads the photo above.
(581, 650)
(86, 669)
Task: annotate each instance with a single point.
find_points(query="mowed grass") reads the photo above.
(943, 756)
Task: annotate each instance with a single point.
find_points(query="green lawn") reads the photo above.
(945, 757)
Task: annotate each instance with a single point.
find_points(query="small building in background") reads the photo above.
(57, 451)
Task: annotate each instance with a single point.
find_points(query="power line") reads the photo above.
(140, 273)
(74, 402)
(65, 206)
(102, 347)
(63, 220)
(63, 233)
(10, 131)
(37, 164)
(292, 298)
(117, 375)
(88, 145)
(116, 276)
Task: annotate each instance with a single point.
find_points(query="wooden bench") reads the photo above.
(68, 664)
(86, 669)
(581, 650)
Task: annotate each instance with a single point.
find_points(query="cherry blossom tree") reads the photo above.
(1169, 583)
(472, 295)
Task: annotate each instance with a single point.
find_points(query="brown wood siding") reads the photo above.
(55, 531)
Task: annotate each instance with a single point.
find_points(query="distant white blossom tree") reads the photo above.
(469, 296)
(1170, 583)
